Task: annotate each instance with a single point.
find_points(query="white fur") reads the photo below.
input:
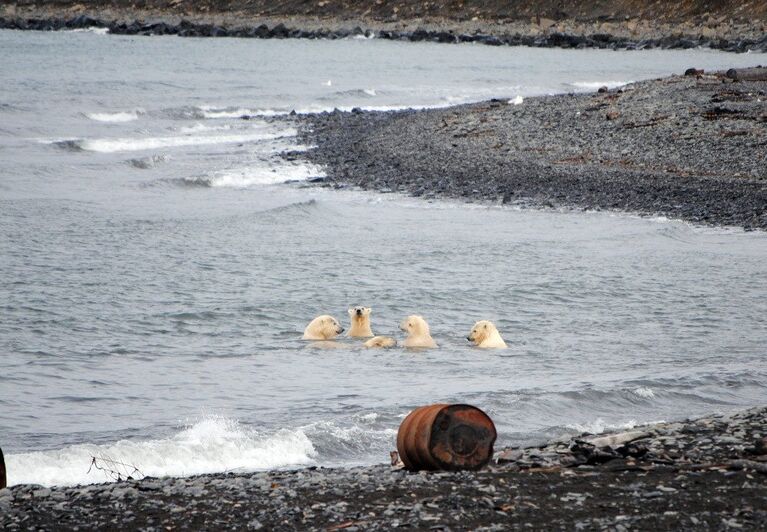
(485, 335)
(417, 332)
(323, 328)
(360, 327)
(381, 341)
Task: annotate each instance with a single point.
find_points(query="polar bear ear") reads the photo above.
(350, 311)
(368, 310)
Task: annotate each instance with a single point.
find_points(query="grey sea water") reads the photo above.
(159, 260)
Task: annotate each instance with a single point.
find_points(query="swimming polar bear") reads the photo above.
(381, 341)
(485, 335)
(323, 328)
(360, 327)
(417, 332)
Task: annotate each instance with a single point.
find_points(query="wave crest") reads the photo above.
(213, 444)
(116, 117)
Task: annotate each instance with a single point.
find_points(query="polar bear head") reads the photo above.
(417, 330)
(415, 326)
(484, 334)
(360, 320)
(359, 312)
(323, 328)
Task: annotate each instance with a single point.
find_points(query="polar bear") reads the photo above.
(360, 327)
(323, 328)
(417, 332)
(381, 341)
(485, 335)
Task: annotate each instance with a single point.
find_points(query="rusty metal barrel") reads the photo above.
(447, 437)
(3, 478)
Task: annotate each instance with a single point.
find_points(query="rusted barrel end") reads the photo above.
(3, 477)
(447, 437)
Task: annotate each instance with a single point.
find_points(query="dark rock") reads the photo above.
(279, 31)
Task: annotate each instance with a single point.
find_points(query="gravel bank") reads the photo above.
(710, 473)
(689, 147)
(623, 24)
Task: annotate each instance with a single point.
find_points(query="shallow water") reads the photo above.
(157, 272)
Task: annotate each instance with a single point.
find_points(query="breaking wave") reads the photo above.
(214, 444)
(120, 116)
(237, 112)
(151, 143)
(278, 172)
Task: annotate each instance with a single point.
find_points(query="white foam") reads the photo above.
(93, 29)
(599, 425)
(120, 116)
(214, 444)
(597, 84)
(645, 392)
(200, 128)
(370, 92)
(369, 418)
(236, 112)
(276, 172)
(212, 112)
(151, 143)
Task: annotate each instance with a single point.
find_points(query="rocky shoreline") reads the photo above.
(690, 147)
(709, 473)
(596, 31)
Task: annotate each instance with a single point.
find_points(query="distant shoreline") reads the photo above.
(688, 147)
(229, 19)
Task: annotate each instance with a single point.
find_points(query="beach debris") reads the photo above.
(396, 463)
(516, 101)
(748, 74)
(616, 440)
(115, 469)
(3, 476)
(693, 72)
(446, 437)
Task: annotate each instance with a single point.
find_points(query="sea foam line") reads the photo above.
(214, 444)
(120, 116)
(150, 143)
(262, 173)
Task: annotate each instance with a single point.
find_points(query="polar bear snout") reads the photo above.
(358, 311)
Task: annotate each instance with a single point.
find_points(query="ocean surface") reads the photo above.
(159, 260)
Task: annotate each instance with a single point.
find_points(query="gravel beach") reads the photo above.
(706, 474)
(621, 24)
(690, 147)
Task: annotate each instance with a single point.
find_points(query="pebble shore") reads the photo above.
(733, 31)
(690, 147)
(705, 474)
